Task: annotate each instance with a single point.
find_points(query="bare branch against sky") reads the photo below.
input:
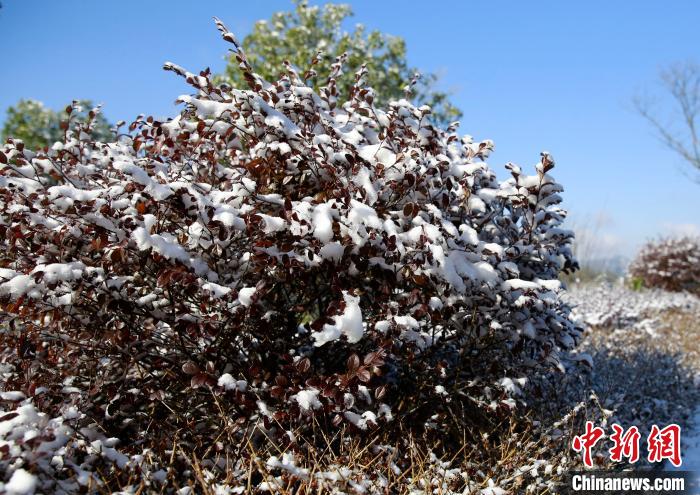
(682, 83)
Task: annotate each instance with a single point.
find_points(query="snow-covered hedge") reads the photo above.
(671, 264)
(293, 255)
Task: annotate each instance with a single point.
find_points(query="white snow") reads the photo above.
(228, 382)
(332, 251)
(435, 303)
(12, 396)
(288, 464)
(216, 290)
(307, 399)
(512, 387)
(382, 326)
(492, 489)
(362, 421)
(518, 284)
(690, 450)
(158, 190)
(323, 222)
(615, 305)
(166, 245)
(245, 295)
(272, 224)
(349, 323)
(21, 482)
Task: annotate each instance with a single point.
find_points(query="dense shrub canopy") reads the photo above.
(298, 254)
(671, 264)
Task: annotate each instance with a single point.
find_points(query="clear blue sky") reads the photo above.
(532, 76)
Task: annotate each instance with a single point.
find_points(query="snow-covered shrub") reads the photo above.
(47, 454)
(278, 255)
(671, 264)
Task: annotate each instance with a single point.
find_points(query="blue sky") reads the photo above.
(532, 76)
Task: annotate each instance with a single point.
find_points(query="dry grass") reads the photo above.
(342, 461)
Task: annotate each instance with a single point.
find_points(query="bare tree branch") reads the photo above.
(682, 83)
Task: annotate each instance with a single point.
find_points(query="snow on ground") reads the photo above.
(651, 337)
(691, 452)
(616, 306)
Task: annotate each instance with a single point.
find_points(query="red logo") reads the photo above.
(625, 444)
(665, 444)
(662, 444)
(587, 441)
